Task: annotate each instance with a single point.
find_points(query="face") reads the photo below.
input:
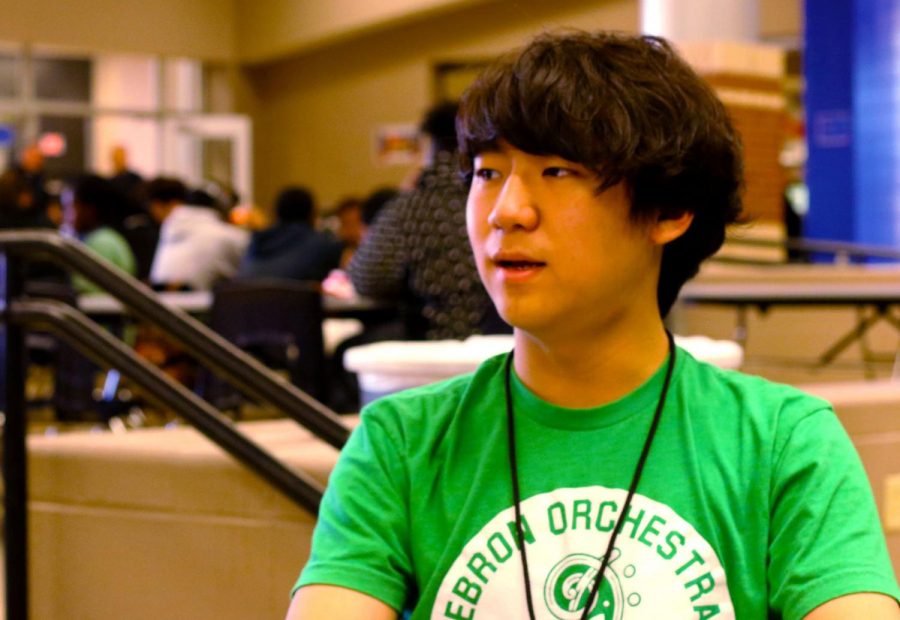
(81, 217)
(555, 256)
(160, 210)
(119, 157)
(351, 225)
(32, 159)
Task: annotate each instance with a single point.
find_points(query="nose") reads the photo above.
(515, 207)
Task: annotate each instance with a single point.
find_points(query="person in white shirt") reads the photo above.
(196, 248)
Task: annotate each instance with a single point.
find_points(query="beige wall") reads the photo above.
(278, 27)
(781, 19)
(315, 113)
(197, 28)
(352, 66)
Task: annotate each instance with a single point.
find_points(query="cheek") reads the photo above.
(476, 224)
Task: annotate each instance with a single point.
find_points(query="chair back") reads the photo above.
(74, 375)
(278, 321)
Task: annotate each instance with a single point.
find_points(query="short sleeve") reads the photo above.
(825, 539)
(361, 538)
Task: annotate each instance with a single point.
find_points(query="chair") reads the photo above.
(74, 375)
(279, 322)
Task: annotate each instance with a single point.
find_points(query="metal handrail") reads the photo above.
(104, 348)
(242, 370)
(237, 367)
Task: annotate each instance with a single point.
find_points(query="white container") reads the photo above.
(386, 367)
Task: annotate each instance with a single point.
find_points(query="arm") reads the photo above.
(360, 547)
(866, 605)
(334, 603)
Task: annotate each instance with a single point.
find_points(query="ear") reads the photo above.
(669, 228)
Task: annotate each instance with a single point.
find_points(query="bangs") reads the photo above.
(550, 101)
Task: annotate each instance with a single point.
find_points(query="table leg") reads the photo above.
(740, 326)
(862, 326)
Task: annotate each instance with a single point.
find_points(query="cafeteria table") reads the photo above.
(874, 300)
(199, 303)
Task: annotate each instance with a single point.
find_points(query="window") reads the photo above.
(62, 79)
(9, 75)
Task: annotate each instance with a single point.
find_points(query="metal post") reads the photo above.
(14, 473)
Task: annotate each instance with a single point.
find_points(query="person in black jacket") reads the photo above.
(291, 248)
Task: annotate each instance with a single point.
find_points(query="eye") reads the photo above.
(487, 174)
(559, 172)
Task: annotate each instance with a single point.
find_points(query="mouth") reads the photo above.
(515, 266)
(519, 265)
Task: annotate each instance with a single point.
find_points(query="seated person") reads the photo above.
(291, 248)
(94, 209)
(18, 210)
(597, 470)
(196, 247)
(416, 252)
(348, 219)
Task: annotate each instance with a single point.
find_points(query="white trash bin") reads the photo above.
(386, 367)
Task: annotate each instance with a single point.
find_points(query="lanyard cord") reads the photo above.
(639, 469)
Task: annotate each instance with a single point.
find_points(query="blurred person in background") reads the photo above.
(94, 209)
(354, 228)
(349, 229)
(17, 211)
(133, 220)
(31, 166)
(126, 180)
(292, 248)
(417, 252)
(345, 387)
(18, 208)
(196, 247)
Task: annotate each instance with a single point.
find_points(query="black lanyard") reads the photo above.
(639, 469)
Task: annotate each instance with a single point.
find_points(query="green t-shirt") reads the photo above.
(110, 245)
(753, 503)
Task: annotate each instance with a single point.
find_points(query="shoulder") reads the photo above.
(105, 239)
(752, 402)
(742, 386)
(417, 417)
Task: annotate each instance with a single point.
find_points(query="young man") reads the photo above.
(597, 471)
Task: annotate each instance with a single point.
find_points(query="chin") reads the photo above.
(523, 316)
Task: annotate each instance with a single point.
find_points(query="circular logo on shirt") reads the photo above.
(569, 586)
(565, 533)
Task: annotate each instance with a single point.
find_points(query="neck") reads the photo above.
(589, 372)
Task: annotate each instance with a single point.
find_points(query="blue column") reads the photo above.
(852, 70)
(876, 121)
(828, 69)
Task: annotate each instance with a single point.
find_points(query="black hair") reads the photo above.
(440, 125)
(295, 204)
(201, 198)
(100, 194)
(375, 201)
(630, 109)
(166, 189)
